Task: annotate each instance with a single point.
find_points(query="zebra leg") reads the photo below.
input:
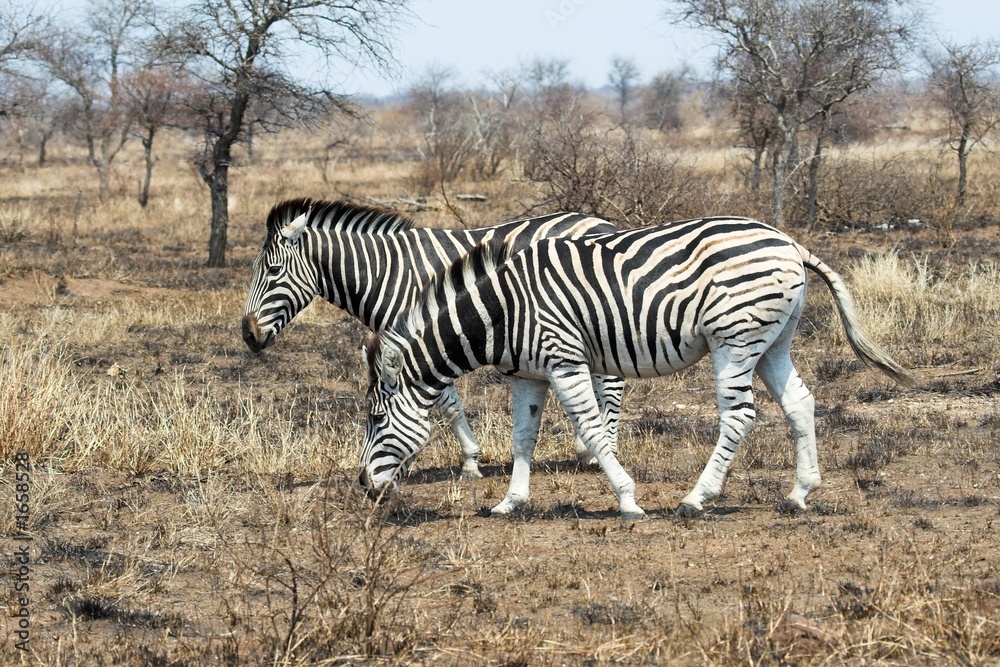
(734, 392)
(451, 408)
(785, 385)
(609, 395)
(575, 390)
(608, 389)
(528, 399)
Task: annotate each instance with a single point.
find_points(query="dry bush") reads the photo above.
(612, 173)
(866, 192)
(462, 133)
(336, 584)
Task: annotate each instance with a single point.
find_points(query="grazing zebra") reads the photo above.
(639, 303)
(372, 262)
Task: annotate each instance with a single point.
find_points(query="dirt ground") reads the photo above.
(895, 562)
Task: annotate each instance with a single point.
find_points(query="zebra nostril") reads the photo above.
(363, 479)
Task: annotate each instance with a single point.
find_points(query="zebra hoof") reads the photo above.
(632, 517)
(686, 511)
(504, 508)
(788, 506)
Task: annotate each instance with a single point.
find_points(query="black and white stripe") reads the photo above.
(638, 303)
(372, 262)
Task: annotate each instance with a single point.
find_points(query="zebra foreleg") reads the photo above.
(785, 385)
(608, 390)
(528, 399)
(734, 392)
(451, 409)
(575, 391)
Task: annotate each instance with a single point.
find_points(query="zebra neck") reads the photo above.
(367, 275)
(467, 332)
(378, 277)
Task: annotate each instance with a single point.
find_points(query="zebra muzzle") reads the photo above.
(253, 336)
(377, 494)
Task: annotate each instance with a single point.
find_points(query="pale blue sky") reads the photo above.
(473, 35)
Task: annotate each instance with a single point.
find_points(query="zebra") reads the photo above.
(637, 303)
(371, 262)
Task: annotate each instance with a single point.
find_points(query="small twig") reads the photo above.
(970, 371)
(454, 211)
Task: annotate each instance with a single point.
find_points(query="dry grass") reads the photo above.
(192, 503)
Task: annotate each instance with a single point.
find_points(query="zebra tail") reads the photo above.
(868, 351)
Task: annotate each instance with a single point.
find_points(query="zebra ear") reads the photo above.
(293, 230)
(392, 362)
(369, 352)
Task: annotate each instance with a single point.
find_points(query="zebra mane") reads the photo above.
(452, 281)
(341, 215)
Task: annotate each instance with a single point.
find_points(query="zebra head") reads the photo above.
(397, 425)
(283, 282)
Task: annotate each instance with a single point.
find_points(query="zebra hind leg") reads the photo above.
(785, 385)
(734, 390)
(451, 408)
(528, 399)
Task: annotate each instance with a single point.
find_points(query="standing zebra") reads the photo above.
(639, 303)
(372, 263)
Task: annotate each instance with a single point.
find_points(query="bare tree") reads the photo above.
(662, 97)
(757, 126)
(623, 77)
(240, 51)
(963, 81)
(549, 88)
(444, 122)
(494, 111)
(153, 96)
(20, 31)
(39, 117)
(800, 57)
(92, 62)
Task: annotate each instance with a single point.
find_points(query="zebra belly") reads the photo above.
(663, 359)
(664, 355)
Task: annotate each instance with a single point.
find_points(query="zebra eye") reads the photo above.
(274, 270)
(375, 407)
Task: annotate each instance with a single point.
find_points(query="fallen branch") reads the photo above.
(403, 203)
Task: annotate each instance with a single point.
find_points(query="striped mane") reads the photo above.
(481, 261)
(340, 215)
